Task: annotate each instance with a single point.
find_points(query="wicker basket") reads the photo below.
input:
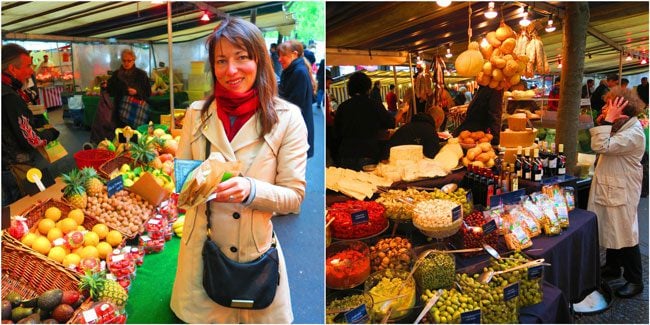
(125, 231)
(35, 213)
(108, 167)
(31, 274)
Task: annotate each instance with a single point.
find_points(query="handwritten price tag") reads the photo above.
(359, 217)
(114, 185)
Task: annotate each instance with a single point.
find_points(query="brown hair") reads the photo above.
(634, 104)
(294, 45)
(248, 36)
(11, 56)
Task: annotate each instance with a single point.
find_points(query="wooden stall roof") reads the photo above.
(428, 28)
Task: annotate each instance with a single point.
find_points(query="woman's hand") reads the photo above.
(132, 91)
(614, 109)
(234, 190)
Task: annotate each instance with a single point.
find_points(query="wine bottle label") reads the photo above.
(538, 177)
(552, 163)
(527, 175)
(561, 171)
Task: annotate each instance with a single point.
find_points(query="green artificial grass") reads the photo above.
(151, 289)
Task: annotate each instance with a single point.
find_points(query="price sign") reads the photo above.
(360, 216)
(489, 227)
(115, 185)
(455, 213)
(510, 292)
(357, 315)
(471, 317)
(535, 272)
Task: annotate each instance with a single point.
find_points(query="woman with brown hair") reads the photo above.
(620, 142)
(245, 121)
(297, 84)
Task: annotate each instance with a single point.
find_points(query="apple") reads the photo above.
(166, 157)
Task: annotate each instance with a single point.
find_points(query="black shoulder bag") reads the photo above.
(232, 284)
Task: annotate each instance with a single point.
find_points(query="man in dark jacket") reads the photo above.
(22, 135)
(420, 131)
(642, 90)
(597, 101)
(484, 113)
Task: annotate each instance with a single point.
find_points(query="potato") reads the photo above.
(489, 136)
(464, 134)
(483, 140)
(497, 62)
(485, 146)
(478, 164)
(487, 68)
(490, 163)
(508, 45)
(477, 135)
(493, 40)
(469, 140)
(473, 152)
(484, 157)
(486, 51)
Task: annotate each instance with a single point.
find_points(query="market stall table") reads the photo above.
(554, 309)
(158, 104)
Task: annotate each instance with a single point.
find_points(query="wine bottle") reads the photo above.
(526, 166)
(514, 180)
(498, 160)
(537, 168)
(561, 160)
(518, 162)
(505, 180)
(543, 157)
(552, 161)
(490, 188)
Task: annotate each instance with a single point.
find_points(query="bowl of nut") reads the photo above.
(394, 253)
(438, 218)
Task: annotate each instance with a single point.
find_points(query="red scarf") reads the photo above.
(240, 105)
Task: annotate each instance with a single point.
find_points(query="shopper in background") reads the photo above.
(391, 100)
(554, 95)
(320, 78)
(624, 82)
(460, 98)
(614, 196)
(245, 121)
(358, 124)
(642, 90)
(128, 81)
(375, 93)
(597, 101)
(588, 89)
(22, 135)
(484, 113)
(297, 84)
(309, 55)
(277, 67)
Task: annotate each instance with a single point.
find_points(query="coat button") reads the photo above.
(236, 215)
(233, 249)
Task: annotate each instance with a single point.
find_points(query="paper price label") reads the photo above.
(471, 317)
(489, 227)
(359, 217)
(154, 221)
(511, 292)
(455, 213)
(117, 258)
(357, 315)
(535, 272)
(90, 316)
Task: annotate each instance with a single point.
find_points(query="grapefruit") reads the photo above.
(57, 253)
(53, 213)
(91, 239)
(42, 244)
(71, 259)
(45, 225)
(77, 215)
(28, 239)
(89, 251)
(114, 238)
(54, 233)
(67, 225)
(75, 239)
(104, 249)
(101, 230)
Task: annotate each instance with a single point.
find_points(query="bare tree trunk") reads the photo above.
(575, 23)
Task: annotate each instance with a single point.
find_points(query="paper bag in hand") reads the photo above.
(205, 178)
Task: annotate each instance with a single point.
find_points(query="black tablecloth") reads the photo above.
(554, 309)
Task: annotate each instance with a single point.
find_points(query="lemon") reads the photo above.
(77, 215)
(54, 233)
(67, 225)
(89, 251)
(114, 238)
(42, 244)
(71, 259)
(45, 225)
(53, 213)
(91, 239)
(57, 253)
(104, 249)
(28, 239)
(101, 230)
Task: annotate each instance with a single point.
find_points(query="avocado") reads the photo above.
(31, 319)
(15, 298)
(6, 309)
(50, 299)
(44, 314)
(19, 313)
(30, 303)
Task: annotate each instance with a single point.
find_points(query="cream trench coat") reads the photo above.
(616, 185)
(276, 163)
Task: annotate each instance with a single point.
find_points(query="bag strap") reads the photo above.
(207, 204)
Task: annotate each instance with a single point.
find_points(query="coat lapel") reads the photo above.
(213, 131)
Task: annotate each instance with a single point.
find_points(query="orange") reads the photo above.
(104, 249)
(114, 238)
(54, 233)
(42, 245)
(67, 225)
(57, 254)
(101, 230)
(89, 251)
(53, 213)
(77, 215)
(91, 239)
(45, 225)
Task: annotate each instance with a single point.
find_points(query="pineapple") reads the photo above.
(74, 190)
(143, 151)
(101, 288)
(93, 184)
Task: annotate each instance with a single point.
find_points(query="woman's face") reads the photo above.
(233, 67)
(128, 61)
(286, 57)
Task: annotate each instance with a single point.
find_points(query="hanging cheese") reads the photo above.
(470, 62)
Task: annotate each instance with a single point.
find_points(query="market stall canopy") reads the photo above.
(427, 28)
(135, 20)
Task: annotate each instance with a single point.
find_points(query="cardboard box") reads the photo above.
(148, 188)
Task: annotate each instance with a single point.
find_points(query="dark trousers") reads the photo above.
(630, 259)
(420, 105)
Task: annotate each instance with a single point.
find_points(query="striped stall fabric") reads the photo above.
(50, 96)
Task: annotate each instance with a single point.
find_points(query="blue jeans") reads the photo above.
(320, 98)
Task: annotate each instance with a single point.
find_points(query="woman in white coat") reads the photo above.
(616, 187)
(245, 121)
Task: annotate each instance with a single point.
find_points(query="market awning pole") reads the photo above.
(620, 68)
(412, 85)
(171, 64)
(395, 80)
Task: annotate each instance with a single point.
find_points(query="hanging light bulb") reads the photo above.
(484, 43)
(443, 3)
(524, 19)
(549, 27)
(628, 58)
(644, 61)
(157, 2)
(205, 17)
(448, 55)
(559, 62)
(490, 13)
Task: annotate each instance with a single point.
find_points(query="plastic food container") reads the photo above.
(386, 287)
(347, 264)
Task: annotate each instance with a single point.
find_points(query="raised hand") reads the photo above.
(615, 109)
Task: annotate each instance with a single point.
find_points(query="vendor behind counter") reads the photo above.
(420, 131)
(484, 113)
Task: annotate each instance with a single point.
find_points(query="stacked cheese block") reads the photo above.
(516, 135)
(197, 81)
(358, 185)
(408, 163)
